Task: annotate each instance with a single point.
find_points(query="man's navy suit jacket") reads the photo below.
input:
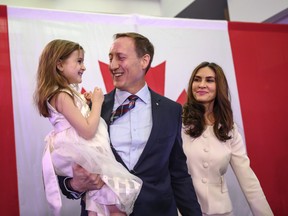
(161, 166)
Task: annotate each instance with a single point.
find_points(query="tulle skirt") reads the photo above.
(121, 187)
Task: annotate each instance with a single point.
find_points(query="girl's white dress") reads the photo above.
(95, 155)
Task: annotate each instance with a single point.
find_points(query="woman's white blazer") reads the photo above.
(208, 160)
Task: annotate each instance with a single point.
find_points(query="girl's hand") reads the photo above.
(97, 96)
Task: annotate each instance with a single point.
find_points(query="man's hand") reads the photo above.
(88, 96)
(83, 180)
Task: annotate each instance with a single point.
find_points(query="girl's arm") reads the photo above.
(86, 127)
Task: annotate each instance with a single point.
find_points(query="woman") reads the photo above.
(211, 141)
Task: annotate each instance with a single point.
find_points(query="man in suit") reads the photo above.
(146, 140)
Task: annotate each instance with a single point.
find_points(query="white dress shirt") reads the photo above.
(130, 132)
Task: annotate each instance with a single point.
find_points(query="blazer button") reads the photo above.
(205, 164)
(204, 180)
(206, 149)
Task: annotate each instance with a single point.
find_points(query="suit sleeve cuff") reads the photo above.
(75, 194)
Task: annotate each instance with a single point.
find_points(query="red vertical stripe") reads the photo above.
(260, 54)
(8, 181)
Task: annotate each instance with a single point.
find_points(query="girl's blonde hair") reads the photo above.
(49, 79)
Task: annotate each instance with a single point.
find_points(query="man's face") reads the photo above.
(127, 69)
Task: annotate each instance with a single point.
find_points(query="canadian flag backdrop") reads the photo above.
(254, 57)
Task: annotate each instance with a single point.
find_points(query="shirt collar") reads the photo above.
(143, 94)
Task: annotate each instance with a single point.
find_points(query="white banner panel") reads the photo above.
(179, 43)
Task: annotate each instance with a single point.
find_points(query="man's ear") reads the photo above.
(59, 65)
(145, 61)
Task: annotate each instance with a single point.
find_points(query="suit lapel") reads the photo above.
(107, 107)
(106, 111)
(156, 127)
(156, 121)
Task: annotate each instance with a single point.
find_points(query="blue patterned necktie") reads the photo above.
(124, 108)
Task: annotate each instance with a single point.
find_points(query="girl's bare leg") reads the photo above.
(118, 214)
(114, 211)
(91, 213)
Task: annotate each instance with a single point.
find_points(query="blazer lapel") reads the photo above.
(156, 121)
(106, 111)
(156, 127)
(107, 107)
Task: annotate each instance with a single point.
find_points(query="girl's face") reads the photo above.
(73, 67)
(204, 86)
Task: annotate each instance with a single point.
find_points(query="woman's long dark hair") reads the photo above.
(193, 111)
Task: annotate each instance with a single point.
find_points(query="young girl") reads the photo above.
(80, 135)
(211, 141)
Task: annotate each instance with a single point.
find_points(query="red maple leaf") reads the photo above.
(182, 97)
(155, 78)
